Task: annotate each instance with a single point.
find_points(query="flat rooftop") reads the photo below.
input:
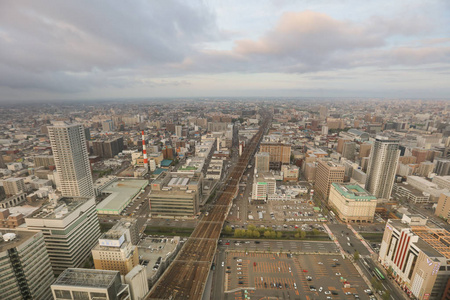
(152, 248)
(438, 239)
(21, 237)
(64, 207)
(87, 278)
(353, 191)
(120, 193)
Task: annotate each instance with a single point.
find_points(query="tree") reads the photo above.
(249, 233)
(315, 231)
(273, 234)
(376, 284)
(279, 234)
(267, 234)
(228, 229)
(256, 234)
(251, 227)
(356, 255)
(297, 235)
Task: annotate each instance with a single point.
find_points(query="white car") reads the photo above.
(320, 289)
(338, 274)
(320, 263)
(223, 263)
(239, 269)
(327, 292)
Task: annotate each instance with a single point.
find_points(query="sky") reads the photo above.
(125, 49)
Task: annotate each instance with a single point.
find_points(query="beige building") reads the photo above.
(13, 186)
(176, 194)
(327, 173)
(364, 150)
(443, 206)
(310, 171)
(290, 173)
(116, 254)
(417, 256)
(279, 153)
(352, 203)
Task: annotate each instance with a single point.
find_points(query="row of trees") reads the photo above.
(254, 232)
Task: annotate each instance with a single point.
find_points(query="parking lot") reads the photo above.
(288, 276)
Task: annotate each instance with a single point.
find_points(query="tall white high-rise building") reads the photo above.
(71, 159)
(383, 161)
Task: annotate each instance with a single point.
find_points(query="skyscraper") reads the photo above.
(71, 159)
(25, 270)
(383, 161)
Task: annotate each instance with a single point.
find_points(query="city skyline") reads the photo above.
(210, 49)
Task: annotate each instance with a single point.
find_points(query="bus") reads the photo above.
(332, 213)
(378, 274)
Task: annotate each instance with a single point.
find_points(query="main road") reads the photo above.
(186, 276)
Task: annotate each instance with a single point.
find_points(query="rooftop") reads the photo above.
(120, 192)
(354, 192)
(21, 236)
(87, 278)
(438, 239)
(63, 208)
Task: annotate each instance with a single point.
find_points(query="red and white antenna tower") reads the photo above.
(144, 151)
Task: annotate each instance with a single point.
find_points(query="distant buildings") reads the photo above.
(71, 159)
(383, 163)
(71, 229)
(25, 269)
(176, 195)
(108, 148)
(328, 172)
(76, 284)
(418, 256)
(353, 204)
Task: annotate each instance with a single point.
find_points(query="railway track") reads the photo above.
(186, 276)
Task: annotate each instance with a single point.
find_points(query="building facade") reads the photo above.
(176, 195)
(443, 206)
(262, 161)
(352, 203)
(71, 159)
(264, 184)
(25, 269)
(71, 229)
(327, 173)
(76, 284)
(279, 154)
(417, 256)
(383, 161)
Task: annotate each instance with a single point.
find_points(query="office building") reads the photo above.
(264, 184)
(340, 144)
(410, 193)
(348, 150)
(420, 154)
(25, 269)
(278, 154)
(443, 206)
(108, 125)
(178, 130)
(442, 167)
(352, 203)
(425, 169)
(323, 112)
(108, 148)
(76, 284)
(13, 186)
(44, 161)
(176, 194)
(114, 252)
(137, 282)
(71, 229)
(290, 173)
(71, 159)
(442, 182)
(262, 162)
(327, 173)
(418, 256)
(383, 161)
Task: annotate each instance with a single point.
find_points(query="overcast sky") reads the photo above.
(93, 49)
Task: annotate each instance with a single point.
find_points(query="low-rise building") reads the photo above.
(411, 193)
(74, 284)
(443, 206)
(264, 184)
(175, 195)
(352, 203)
